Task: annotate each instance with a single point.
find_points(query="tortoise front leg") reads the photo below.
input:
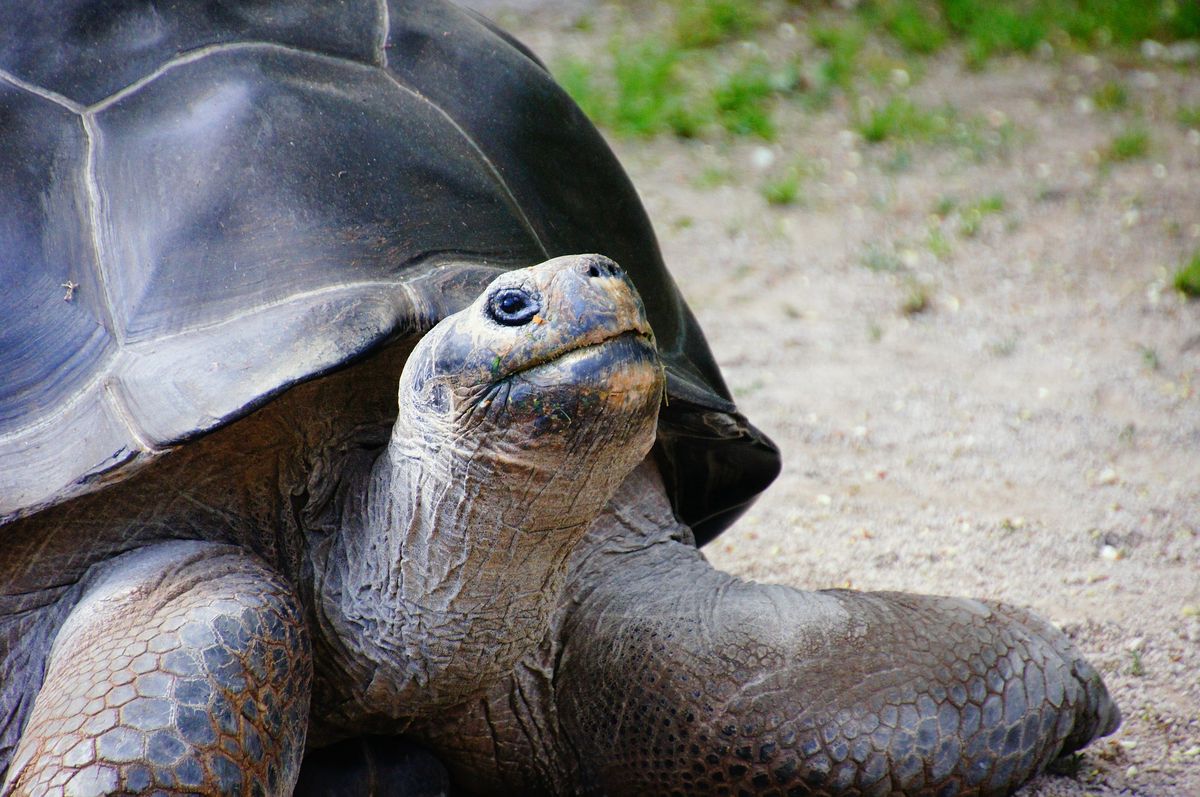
(185, 668)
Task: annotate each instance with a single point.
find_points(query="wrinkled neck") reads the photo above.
(451, 557)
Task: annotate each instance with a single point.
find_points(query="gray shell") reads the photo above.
(209, 202)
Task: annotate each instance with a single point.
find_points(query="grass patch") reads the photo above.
(938, 245)
(742, 100)
(1127, 146)
(643, 95)
(705, 23)
(692, 74)
(1112, 96)
(995, 27)
(669, 82)
(1136, 668)
(782, 190)
(899, 119)
(974, 214)
(712, 177)
(842, 46)
(945, 205)
(1187, 277)
(902, 120)
(918, 27)
(917, 298)
(1189, 116)
(786, 187)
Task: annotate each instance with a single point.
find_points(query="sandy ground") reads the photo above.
(1034, 434)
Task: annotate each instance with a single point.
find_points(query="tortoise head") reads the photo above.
(559, 351)
(519, 416)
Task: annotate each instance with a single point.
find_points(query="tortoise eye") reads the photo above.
(513, 307)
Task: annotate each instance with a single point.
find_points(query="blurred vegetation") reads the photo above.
(716, 68)
(1187, 278)
(1129, 145)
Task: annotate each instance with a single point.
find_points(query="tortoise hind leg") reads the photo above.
(673, 675)
(185, 668)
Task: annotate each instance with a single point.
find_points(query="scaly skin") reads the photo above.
(666, 676)
(185, 668)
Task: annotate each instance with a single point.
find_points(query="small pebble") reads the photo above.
(1108, 476)
(1137, 643)
(1145, 80)
(1111, 553)
(1152, 50)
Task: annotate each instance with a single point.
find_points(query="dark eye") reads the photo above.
(513, 306)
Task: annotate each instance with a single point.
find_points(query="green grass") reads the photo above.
(705, 23)
(669, 82)
(692, 74)
(945, 205)
(1136, 667)
(974, 214)
(1129, 145)
(918, 27)
(643, 96)
(1187, 277)
(1112, 96)
(902, 120)
(1189, 116)
(938, 245)
(742, 100)
(898, 119)
(782, 190)
(841, 45)
(713, 176)
(786, 188)
(917, 298)
(994, 27)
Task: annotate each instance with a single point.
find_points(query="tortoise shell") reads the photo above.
(208, 203)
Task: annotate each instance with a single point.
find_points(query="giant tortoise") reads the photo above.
(234, 560)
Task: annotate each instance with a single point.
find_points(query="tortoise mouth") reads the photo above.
(593, 353)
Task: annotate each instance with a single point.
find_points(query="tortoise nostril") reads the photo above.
(602, 267)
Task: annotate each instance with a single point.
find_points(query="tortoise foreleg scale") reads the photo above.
(185, 667)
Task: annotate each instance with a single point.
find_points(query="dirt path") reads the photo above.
(1033, 433)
